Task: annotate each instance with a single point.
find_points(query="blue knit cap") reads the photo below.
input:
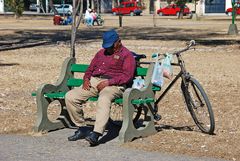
(109, 38)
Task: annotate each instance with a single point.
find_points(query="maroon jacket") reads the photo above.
(119, 68)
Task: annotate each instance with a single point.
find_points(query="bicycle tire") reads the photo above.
(116, 116)
(198, 105)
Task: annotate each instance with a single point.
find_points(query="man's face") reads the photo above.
(110, 50)
(113, 48)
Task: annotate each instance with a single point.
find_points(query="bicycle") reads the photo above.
(195, 97)
(99, 20)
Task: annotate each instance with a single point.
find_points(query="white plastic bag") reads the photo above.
(138, 83)
(167, 67)
(157, 76)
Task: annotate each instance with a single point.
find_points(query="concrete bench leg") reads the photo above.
(128, 131)
(43, 123)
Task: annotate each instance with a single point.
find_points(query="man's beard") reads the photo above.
(108, 52)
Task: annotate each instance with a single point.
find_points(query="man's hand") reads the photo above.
(86, 84)
(102, 85)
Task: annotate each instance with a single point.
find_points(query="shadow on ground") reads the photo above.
(112, 133)
(169, 127)
(31, 38)
(8, 64)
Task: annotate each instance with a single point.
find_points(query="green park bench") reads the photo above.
(132, 99)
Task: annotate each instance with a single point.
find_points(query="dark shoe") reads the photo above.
(92, 138)
(79, 134)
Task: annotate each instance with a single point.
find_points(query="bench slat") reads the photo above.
(141, 71)
(72, 82)
(79, 68)
(142, 101)
(155, 88)
(60, 95)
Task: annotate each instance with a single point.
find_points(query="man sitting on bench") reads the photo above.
(110, 72)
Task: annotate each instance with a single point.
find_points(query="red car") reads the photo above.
(132, 8)
(173, 9)
(229, 10)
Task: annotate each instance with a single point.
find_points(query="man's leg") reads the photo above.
(103, 111)
(74, 100)
(91, 21)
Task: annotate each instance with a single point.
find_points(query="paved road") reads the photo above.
(54, 146)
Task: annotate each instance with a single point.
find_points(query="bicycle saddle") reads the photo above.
(138, 56)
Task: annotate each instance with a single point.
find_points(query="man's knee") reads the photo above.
(105, 98)
(70, 96)
(110, 92)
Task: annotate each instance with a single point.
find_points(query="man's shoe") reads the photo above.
(92, 138)
(79, 134)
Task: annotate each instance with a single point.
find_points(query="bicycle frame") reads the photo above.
(183, 74)
(191, 89)
(168, 87)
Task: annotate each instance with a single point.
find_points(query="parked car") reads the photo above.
(55, 6)
(173, 9)
(33, 7)
(64, 9)
(132, 8)
(229, 10)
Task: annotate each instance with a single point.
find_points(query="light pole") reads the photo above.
(154, 14)
(233, 30)
(194, 15)
(120, 15)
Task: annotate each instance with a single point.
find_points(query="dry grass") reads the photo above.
(215, 66)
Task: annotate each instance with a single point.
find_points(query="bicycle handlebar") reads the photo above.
(191, 43)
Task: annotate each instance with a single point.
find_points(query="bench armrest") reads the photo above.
(139, 97)
(61, 84)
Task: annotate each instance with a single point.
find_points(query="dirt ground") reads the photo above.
(214, 62)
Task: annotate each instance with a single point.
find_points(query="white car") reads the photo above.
(65, 9)
(33, 7)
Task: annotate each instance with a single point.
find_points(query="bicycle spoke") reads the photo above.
(198, 105)
(197, 94)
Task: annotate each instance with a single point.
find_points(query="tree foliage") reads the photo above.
(181, 4)
(52, 7)
(17, 6)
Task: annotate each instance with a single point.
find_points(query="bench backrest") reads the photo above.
(81, 68)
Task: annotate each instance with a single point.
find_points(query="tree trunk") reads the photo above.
(75, 24)
(52, 7)
(16, 16)
(154, 14)
(181, 13)
(180, 16)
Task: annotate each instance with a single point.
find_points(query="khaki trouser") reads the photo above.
(77, 96)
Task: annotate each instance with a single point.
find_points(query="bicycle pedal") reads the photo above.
(157, 117)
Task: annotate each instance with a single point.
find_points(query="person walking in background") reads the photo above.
(94, 15)
(88, 17)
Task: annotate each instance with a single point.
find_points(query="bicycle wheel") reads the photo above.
(116, 116)
(198, 105)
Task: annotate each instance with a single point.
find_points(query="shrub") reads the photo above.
(16, 6)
